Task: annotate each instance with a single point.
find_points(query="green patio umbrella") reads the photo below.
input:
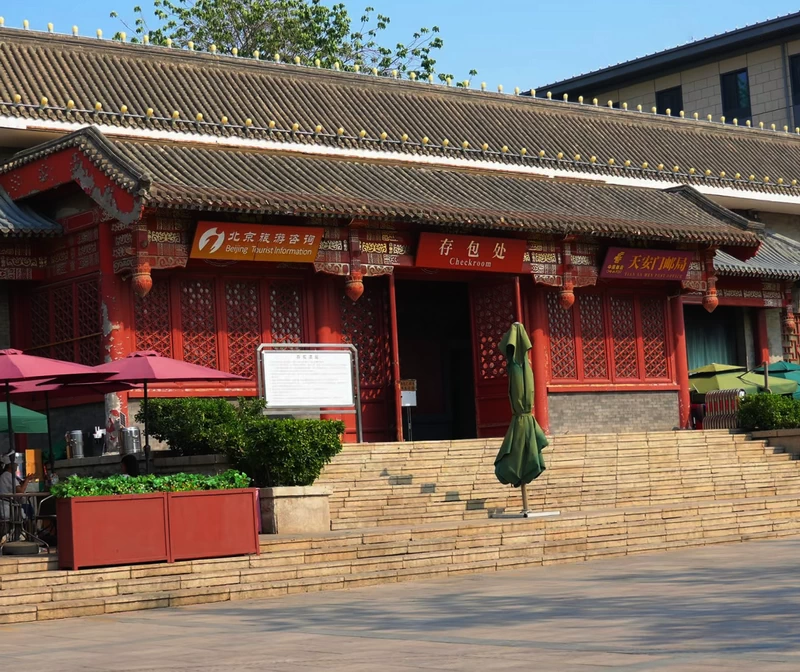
(787, 370)
(520, 458)
(776, 385)
(25, 421)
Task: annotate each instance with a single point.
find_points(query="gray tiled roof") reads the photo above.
(160, 80)
(778, 257)
(210, 177)
(18, 220)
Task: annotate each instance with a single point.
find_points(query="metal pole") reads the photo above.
(11, 444)
(359, 431)
(766, 377)
(49, 433)
(146, 434)
(524, 489)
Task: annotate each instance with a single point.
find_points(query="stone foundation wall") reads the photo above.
(612, 412)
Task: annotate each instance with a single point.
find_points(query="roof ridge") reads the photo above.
(521, 97)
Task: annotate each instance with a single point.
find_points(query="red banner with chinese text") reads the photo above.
(255, 242)
(636, 264)
(471, 253)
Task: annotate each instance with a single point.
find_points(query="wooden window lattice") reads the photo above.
(365, 324)
(152, 317)
(623, 325)
(198, 322)
(562, 339)
(493, 313)
(243, 326)
(654, 344)
(286, 312)
(593, 336)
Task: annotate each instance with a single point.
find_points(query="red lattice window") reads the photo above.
(493, 308)
(243, 326)
(654, 343)
(198, 322)
(152, 317)
(623, 327)
(40, 320)
(90, 345)
(63, 327)
(562, 339)
(286, 312)
(66, 322)
(365, 324)
(593, 336)
(609, 337)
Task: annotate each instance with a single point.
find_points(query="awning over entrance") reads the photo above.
(18, 220)
(206, 177)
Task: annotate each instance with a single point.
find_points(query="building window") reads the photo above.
(794, 76)
(669, 99)
(736, 95)
(609, 337)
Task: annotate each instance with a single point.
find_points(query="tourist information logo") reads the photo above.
(255, 242)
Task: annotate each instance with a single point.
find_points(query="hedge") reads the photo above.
(86, 486)
(769, 411)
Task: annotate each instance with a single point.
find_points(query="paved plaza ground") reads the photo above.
(732, 607)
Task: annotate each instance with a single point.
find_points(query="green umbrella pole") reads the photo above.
(524, 489)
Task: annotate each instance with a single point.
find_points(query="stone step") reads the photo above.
(290, 564)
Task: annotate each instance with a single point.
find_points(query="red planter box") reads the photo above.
(113, 530)
(213, 523)
(156, 527)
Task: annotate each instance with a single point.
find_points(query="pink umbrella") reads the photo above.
(147, 367)
(56, 390)
(17, 366)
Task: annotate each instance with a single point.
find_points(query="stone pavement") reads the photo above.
(732, 607)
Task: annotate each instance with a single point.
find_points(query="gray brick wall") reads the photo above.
(609, 412)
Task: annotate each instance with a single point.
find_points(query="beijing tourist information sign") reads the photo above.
(471, 253)
(255, 242)
(641, 264)
(295, 378)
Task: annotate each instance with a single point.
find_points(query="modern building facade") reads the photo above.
(749, 75)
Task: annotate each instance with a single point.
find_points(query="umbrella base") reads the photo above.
(527, 514)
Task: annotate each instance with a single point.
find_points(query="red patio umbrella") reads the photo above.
(147, 367)
(51, 389)
(15, 366)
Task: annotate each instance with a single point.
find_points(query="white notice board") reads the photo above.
(307, 378)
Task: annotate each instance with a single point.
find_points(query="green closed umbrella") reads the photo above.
(24, 421)
(520, 458)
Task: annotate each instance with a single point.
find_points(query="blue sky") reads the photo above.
(521, 43)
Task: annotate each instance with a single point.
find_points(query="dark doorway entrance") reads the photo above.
(433, 325)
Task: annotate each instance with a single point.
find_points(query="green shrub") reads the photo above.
(289, 452)
(85, 486)
(200, 426)
(769, 411)
(273, 452)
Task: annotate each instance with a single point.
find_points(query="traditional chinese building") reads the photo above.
(198, 204)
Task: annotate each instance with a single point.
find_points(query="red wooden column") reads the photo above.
(540, 355)
(395, 345)
(681, 361)
(517, 300)
(762, 342)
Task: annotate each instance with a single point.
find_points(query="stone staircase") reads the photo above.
(407, 512)
(400, 484)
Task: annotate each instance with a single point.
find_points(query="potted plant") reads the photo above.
(120, 520)
(282, 456)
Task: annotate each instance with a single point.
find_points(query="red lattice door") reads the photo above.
(493, 313)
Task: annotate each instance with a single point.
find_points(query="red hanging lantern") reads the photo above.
(354, 285)
(567, 297)
(710, 300)
(141, 280)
